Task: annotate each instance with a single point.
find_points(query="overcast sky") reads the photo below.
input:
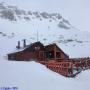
(76, 11)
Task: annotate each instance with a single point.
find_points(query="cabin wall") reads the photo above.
(58, 54)
(63, 56)
(26, 56)
(21, 56)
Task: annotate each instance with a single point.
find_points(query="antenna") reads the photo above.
(37, 35)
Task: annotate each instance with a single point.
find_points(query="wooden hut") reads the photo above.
(37, 51)
(52, 57)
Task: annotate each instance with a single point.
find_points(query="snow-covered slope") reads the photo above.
(17, 24)
(33, 76)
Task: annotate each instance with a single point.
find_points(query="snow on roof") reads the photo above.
(23, 48)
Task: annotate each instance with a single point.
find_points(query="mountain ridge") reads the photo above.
(13, 13)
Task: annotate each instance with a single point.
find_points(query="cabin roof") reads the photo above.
(37, 43)
(54, 44)
(25, 48)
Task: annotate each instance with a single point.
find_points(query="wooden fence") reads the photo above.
(68, 68)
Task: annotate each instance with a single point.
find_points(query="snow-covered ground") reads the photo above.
(32, 75)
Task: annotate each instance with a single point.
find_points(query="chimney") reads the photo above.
(24, 42)
(18, 46)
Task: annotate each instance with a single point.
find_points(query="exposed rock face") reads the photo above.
(13, 13)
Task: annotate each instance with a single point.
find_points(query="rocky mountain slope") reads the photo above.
(13, 13)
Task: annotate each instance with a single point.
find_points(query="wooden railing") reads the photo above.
(63, 68)
(68, 67)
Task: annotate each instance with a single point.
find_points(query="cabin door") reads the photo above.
(41, 55)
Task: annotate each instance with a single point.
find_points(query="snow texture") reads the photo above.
(32, 75)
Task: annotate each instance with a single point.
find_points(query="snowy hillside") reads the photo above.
(17, 24)
(33, 76)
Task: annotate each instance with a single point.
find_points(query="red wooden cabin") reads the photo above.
(37, 51)
(52, 57)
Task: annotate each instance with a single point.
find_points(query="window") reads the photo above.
(37, 48)
(50, 54)
(58, 54)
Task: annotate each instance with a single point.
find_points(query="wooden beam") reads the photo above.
(55, 52)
